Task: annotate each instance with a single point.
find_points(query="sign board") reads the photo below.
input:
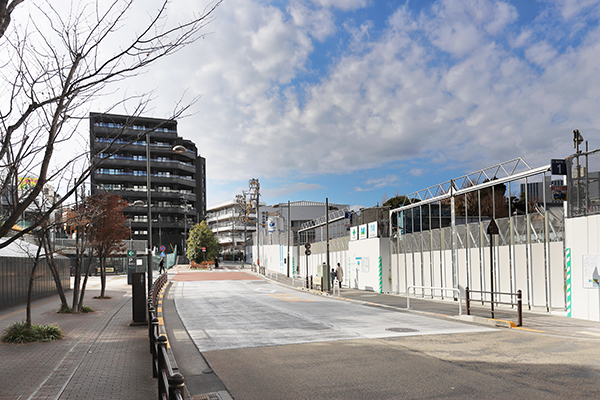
(307, 246)
(372, 229)
(354, 233)
(162, 248)
(492, 228)
(362, 263)
(559, 193)
(204, 249)
(162, 254)
(131, 253)
(307, 252)
(362, 231)
(558, 167)
(591, 276)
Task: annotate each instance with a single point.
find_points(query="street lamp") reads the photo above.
(178, 149)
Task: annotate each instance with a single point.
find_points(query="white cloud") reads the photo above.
(291, 190)
(459, 83)
(540, 53)
(344, 5)
(572, 8)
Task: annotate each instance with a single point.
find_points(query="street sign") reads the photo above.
(559, 193)
(307, 252)
(558, 167)
(307, 246)
(204, 249)
(162, 248)
(130, 253)
(492, 228)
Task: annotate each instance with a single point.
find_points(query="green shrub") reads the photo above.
(47, 333)
(64, 309)
(17, 333)
(86, 309)
(20, 333)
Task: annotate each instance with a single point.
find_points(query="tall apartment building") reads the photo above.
(177, 179)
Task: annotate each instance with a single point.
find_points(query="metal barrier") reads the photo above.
(170, 385)
(519, 302)
(336, 285)
(433, 288)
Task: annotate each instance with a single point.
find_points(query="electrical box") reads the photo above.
(139, 301)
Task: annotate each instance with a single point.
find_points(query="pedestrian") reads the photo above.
(339, 272)
(332, 276)
(216, 262)
(161, 265)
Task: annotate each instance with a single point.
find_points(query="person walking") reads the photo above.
(161, 265)
(339, 272)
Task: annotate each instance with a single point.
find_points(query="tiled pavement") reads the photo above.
(101, 357)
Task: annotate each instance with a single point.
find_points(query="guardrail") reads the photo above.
(170, 385)
(455, 290)
(519, 302)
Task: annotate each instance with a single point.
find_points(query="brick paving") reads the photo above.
(101, 356)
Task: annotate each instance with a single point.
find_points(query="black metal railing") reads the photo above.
(518, 304)
(170, 385)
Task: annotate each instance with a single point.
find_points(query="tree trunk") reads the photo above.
(54, 271)
(85, 279)
(30, 288)
(102, 276)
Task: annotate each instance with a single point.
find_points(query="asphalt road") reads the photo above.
(267, 341)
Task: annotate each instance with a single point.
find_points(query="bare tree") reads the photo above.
(51, 69)
(110, 231)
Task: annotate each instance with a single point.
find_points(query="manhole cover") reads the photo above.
(402, 330)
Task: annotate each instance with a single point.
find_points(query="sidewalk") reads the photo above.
(100, 357)
(555, 323)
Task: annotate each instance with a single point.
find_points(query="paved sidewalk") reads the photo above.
(539, 321)
(101, 356)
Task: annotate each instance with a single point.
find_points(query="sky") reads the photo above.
(360, 100)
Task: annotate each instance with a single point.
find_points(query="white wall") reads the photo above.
(583, 239)
(434, 269)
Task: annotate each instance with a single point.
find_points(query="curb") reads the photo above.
(498, 323)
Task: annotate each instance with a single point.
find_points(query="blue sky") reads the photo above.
(360, 100)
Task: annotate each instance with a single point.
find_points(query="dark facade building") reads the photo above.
(177, 176)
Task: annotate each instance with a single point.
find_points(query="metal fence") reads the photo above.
(583, 183)
(14, 279)
(442, 233)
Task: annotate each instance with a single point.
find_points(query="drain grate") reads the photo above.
(402, 330)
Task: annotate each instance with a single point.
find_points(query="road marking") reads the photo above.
(289, 298)
(529, 330)
(261, 290)
(589, 333)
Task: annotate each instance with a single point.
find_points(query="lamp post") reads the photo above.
(149, 200)
(179, 149)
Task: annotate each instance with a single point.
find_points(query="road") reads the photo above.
(268, 341)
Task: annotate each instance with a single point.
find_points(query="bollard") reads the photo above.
(519, 308)
(153, 346)
(311, 282)
(160, 363)
(150, 331)
(468, 300)
(176, 384)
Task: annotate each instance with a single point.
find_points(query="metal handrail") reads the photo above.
(433, 288)
(519, 303)
(170, 385)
